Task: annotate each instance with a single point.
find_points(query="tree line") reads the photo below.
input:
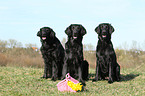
(12, 43)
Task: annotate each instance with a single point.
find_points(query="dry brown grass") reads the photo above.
(27, 57)
(126, 59)
(26, 61)
(3, 60)
(130, 58)
(21, 57)
(90, 56)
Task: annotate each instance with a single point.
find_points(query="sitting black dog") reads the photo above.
(107, 65)
(73, 61)
(53, 53)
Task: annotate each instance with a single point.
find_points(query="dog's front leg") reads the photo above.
(117, 72)
(97, 72)
(54, 71)
(45, 71)
(80, 75)
(98, 75)
(110, 72)
(47, 68)
(64, 69)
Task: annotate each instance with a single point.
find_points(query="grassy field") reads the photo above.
(21, 69)
(21, 81)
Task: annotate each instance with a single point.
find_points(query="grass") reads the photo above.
(22, 81)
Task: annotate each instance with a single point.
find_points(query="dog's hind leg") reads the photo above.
(117, 73)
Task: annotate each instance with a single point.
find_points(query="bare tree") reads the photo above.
(14, 43)
(3, 43)
(30, 45)
(88, 47)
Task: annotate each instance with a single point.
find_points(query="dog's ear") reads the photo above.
(111, 29)
(38, 34)
(97, 29)
(52, 34)
(68, 31)
(83, 30)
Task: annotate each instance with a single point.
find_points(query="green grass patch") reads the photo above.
(21, 81)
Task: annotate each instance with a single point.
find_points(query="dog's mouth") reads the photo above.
(43, 38)
(75, 37)
(104, 36)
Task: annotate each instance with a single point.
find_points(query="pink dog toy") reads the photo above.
(62, 85)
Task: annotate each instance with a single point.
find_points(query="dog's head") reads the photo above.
(104, 30)
(46, 33)
(75, 31)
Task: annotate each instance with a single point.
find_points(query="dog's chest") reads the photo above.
(74, 48)
(104, 49)
(73, 51)
(102, 52)
(49, 50)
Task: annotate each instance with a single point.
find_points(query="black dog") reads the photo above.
(73, 61)
(53, 53)
(107, 65)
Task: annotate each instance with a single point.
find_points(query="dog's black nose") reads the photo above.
(104, 31)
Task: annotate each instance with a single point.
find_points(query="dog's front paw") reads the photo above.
(53, 79)
(94, 80)
(59, 78)
(118, 78)
(44, 77)
(110, 81)
(62, 77)
(83, 82)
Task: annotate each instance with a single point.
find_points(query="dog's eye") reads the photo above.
(78, 27)
(47, 29)
(73, 27)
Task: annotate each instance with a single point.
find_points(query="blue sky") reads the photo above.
(22, 19)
